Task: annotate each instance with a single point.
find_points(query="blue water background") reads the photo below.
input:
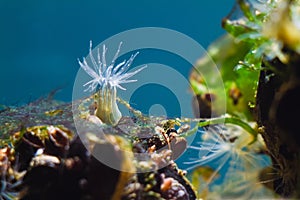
(40, 40)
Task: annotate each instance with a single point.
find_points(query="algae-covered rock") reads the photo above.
(45, 155)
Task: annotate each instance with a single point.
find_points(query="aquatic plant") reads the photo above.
(259, 62)
(106, 79)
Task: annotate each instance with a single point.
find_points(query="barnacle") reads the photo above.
(241, 184)
(225, 147)
(107, 78)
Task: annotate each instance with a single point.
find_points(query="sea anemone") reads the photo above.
(106, 79)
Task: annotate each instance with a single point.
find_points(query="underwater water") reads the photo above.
(201, 95)
(41, 40)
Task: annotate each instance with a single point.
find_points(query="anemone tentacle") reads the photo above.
(112, 75)
(107, 78)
